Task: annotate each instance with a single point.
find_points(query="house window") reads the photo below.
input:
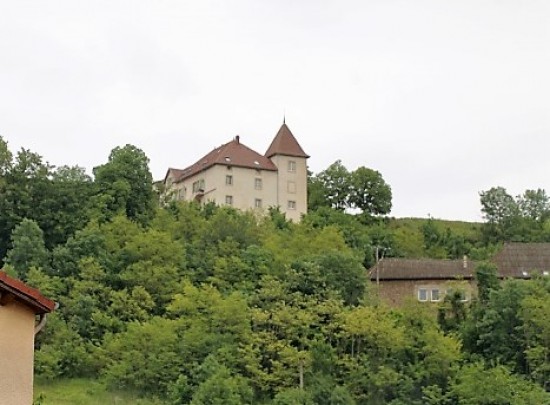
(435, 294)
(258, 203)
(229, 199)
(292, 166)
(181, 194)
(258, 184)
(291, 187)
(198, 186)
(291, 205)
(228, 180)
(422, 294)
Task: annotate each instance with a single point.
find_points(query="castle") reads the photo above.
(235, 175)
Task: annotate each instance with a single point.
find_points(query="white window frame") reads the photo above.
(258, 183)
(425, 290)
(432, 294)
(292, 166)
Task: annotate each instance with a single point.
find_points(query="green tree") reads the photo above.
(127, 182)
(145, 357)
(222, 388)
(479, 385)
(335, 180)
(369, 192)
(6, 158)
(28, 248)
(535, 205)
(293, 396)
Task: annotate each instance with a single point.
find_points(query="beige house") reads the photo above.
(429, 280)
(20, 306)
(235, 175)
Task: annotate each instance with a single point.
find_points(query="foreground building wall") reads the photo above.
(19, 307)
(16, 353)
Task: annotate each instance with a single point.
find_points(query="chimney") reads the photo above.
(465, 261)
(237, 138)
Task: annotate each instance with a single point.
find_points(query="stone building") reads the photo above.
(428, 280)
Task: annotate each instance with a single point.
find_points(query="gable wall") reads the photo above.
(16, 353)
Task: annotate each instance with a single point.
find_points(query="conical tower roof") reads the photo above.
(286, 144)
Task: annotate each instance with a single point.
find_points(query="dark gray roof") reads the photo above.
(521, 259)
(422, 269)
(514, 260)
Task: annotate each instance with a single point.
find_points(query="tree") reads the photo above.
(535, 205)
(478, 385)
(28, 248)
(336, 183)
(5, 159)
(128, 183)
(369, 192)
(22, 189)
(521, 219)
(221, 388)
(499, 210)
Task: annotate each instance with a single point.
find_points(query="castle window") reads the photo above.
(291, 205)
(292, 166)
(229, 199)
(228, 180)
(257, 203)
(198, 186)
(291, 187)
(258, 184)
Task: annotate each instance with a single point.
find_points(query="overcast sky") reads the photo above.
(444, 98)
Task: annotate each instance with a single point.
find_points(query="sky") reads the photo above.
(444, 98)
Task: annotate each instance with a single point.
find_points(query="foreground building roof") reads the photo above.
(25, 294)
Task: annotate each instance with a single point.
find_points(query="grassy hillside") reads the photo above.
(408, 233)
(83, 392)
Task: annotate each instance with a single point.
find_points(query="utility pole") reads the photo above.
(378, 260)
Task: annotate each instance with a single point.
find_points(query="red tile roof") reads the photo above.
(233, 153)
(30, 296)
(286, 144)
(176, 172)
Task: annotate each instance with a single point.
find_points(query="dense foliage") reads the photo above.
(208, 305)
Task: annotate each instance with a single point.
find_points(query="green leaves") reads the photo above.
(363, 189)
